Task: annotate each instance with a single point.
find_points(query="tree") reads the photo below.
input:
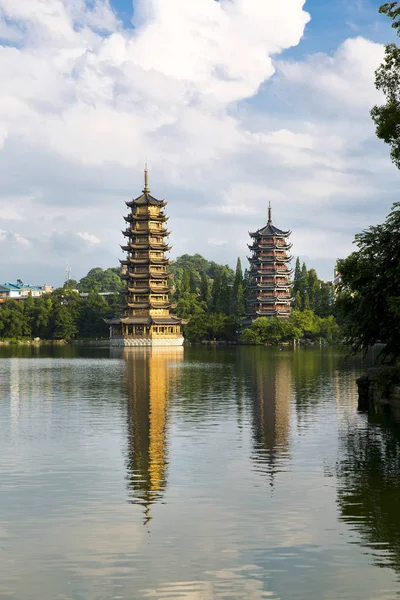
(303, 284)
(215, 291)
(101, 280)
(42, 316)
(297, 277)
(184, 284)
(237, 298)
(387, 80)
(91, 319)
(223, 300)
(204, 288)
(313, 287)
(192, 281)
(65, 327)
(369, 292)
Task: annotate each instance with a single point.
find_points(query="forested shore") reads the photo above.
(208, 296)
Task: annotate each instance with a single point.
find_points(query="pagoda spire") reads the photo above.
(269, 214)
(146, 189)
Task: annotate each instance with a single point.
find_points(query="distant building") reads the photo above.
(20, 291)
(10, 291)
(269, 290)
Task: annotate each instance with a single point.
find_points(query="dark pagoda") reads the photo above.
(269, 290)
(146, 320)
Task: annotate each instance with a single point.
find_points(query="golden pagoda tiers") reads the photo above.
(146, 319)
(269, 289)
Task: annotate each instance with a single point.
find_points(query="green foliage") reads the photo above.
(385, 378)
(91, 318)
(310, 293)
(387, 80)
(101, 280)
(369, 293)
(210, 326)
(61, 315)
(210, 296)
(300, 325)
(196, 275)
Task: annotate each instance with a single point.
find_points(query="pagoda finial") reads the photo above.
(269, 214)
(146, 179)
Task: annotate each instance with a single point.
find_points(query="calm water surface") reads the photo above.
(194, 474)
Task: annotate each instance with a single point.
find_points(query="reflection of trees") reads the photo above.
(270, 391)
(208, 378)
(149, 374)
(369, 487)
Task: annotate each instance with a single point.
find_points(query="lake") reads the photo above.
(194, 473)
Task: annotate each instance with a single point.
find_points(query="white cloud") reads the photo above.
(85, 101)
(11, 239)
(89, 238)
(345, 79)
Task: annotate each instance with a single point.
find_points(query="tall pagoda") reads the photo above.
(146, 319)
(269, 290)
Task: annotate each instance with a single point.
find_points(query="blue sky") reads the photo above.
(233, 104)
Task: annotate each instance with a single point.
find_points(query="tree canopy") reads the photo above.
(369, 293)
(387, 79)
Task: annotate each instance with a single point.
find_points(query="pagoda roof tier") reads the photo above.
(145, 260)
(150, 304)
(272, 300)
(146, 246)
(270, 231)
(138, 275)
(160, 261)
(138, 261)
(138, 304)
(279, 271)
(284, 259)
(146, 289)
(135, 320)
(146, 199)
(163, 275)
(170, 320)
(148, 320)
(264, 313)
(269, 259)
(270, 286)
(147, 231)
(261, 246)
(148, 217)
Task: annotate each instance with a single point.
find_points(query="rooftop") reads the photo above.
(270, 229)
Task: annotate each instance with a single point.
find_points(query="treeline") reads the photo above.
(209, 297)
(212, 298)
(310, 293)
(61, 315)
(301, 325)
(99, 280)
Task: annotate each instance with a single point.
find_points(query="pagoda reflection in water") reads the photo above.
(150, 374)
(271, 392)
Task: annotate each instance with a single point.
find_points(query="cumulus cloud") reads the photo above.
(344, 79)
(88, 237)
(86, 100)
